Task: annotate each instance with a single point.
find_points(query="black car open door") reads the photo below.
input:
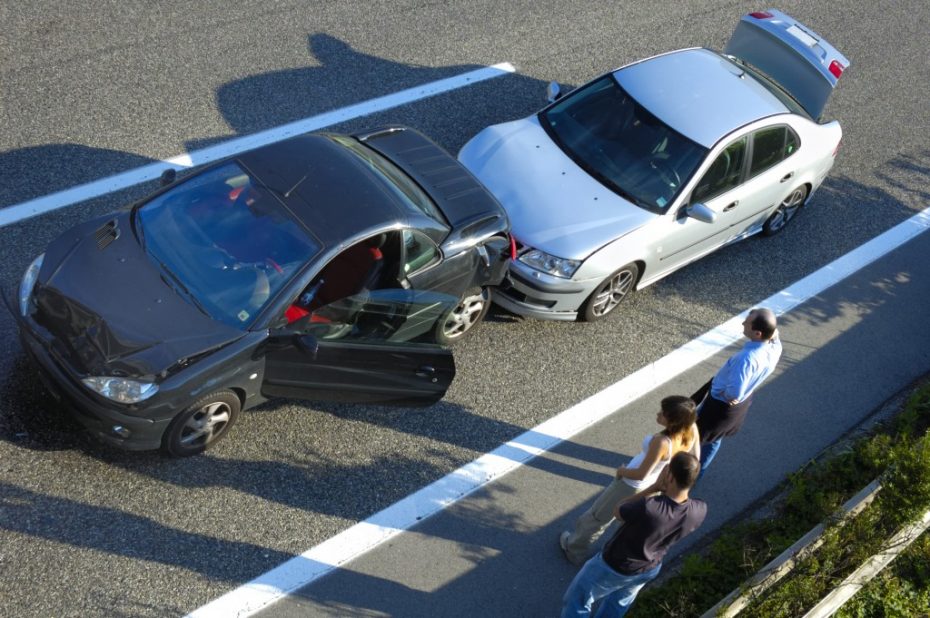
(378, 346)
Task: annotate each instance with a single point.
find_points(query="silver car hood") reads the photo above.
(553, 204)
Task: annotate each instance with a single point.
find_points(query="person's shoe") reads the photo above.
(563, 543)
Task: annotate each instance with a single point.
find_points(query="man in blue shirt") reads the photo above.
(727, 397)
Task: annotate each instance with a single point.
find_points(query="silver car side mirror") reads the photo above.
(701, 212)
(553, 92)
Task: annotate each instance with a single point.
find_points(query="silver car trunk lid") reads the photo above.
(791, 54)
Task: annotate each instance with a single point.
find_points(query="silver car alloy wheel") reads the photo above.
(787, 209)
(612, 293)
(465, 315)
(204, 424)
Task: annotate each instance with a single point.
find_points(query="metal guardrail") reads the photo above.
(771, 573)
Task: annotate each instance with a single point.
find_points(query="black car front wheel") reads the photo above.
(465, 316)
(609, 294)
(201, 425)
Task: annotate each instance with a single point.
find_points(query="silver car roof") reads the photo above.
(699, 93)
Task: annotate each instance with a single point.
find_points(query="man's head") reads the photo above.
(683, 471)
(760, 324)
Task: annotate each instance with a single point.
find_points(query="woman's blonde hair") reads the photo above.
(679, 413)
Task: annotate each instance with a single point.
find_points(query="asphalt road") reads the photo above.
(93, 88)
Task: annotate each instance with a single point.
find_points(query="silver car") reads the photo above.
(656, 164)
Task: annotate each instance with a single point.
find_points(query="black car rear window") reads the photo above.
(224, 242)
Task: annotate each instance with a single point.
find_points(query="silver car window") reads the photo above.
(723, 174)
(621, 144)
(770, 146)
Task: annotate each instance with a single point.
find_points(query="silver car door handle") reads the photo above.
(731, 206)
(787, 177)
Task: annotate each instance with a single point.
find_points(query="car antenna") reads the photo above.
(287, 193)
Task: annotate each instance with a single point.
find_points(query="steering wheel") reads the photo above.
(666, 172)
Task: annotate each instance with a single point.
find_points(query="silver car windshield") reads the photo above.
(616, 140)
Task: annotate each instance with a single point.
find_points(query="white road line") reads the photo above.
(365, 536)
(61, 199)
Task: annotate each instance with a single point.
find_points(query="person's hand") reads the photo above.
(620, 472)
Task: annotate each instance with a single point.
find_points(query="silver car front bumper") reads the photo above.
(529, 292)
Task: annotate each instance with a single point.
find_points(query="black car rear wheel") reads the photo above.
(201, 425)
(465, 316)
(612, 290)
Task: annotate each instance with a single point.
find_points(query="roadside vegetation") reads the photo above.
(899, 452)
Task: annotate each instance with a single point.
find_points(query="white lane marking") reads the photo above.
(96, 188)
(365, 536)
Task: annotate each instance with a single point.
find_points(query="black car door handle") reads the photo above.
(787, 177)
(731, 206)
(427, 371)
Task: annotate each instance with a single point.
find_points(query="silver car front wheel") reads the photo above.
(609, 294)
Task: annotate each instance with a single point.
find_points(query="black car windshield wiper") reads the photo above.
(175, 282)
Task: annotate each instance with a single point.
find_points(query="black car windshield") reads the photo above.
(616, 140)
(224, 242)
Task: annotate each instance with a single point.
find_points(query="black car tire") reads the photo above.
(458, 323)
(201, 425)
(610, 293)
(785, 212)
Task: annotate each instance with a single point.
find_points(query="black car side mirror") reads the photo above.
(168, 176)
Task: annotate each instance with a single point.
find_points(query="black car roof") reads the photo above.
(325, 186)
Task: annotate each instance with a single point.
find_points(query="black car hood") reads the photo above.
(110, 311)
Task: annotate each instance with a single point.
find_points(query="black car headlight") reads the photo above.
(28, 283)
(121, 390)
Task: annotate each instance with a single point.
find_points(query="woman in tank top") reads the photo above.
(677, 416)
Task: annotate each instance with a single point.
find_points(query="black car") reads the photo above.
(326, 267)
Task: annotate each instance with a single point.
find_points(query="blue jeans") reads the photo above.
(708, 452)
(596, 581)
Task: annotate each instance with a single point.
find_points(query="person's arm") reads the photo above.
(696, 442)
(657, 450)
(625, 505)
(735, 380)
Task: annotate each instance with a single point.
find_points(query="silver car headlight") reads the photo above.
(28, 283)
(121, 390)
(560, 267)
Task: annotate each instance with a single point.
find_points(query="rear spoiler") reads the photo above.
(794, 56)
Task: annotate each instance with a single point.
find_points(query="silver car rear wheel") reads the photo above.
(785, 211)
(609, 294)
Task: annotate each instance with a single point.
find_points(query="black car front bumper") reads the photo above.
(106, 423)
(110, 424)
